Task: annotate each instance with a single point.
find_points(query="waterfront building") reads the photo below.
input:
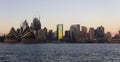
(100, 32)
(108, 36)
(67, 35)
(2, 38)
(50, 36)
(18, 31)
(74, 33)
(45, 34)
(25, 25)
(84, 33)
(12, 36)
(36, 26)
(28, 36)
(91, 33)
(40, 35)
(21, 30)
(60, 31)
(55, 35)
(117, 36)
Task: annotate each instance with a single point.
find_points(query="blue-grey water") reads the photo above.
(59, 52)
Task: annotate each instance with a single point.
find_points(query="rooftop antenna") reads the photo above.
(38, 14)
(35, 14)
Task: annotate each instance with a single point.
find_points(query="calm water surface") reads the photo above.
(59, 52)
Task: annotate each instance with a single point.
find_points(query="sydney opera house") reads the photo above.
(26, 33)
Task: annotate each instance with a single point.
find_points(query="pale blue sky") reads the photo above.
(90, 13)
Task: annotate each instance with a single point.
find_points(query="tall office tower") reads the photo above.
(55, 35)
(45, 34)
(84, 33)
(60, 31)
(100, 32)
(36, 25)
(31, 27)
(108, 36)
(67, 35)
(21, 28)
(25, 25)
(74, 33)
(50, 36)
(40, 35)
(91, 33)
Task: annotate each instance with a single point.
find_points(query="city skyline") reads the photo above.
(87, 13)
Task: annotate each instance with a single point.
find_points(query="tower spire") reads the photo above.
(38, 14)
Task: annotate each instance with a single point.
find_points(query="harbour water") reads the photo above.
(59, 52)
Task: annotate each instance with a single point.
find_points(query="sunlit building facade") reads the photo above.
(91, 33)
(60, 31)
(84, 33)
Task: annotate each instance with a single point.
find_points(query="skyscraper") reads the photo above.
(74, 32)
(84, 33)
(100, 32)
(60, 31)
(108, 36)
(50, 35)
(91, 33)
(40, 35)
(25, 25)
(36, 25)
(45, 34)
(67, 34)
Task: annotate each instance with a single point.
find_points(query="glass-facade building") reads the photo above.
(60, 31)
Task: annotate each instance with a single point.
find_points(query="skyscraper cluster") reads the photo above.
(76, 34)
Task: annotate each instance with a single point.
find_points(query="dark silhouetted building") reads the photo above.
(25, 25)
(40, 35)
(28, 36)
(50, 36)
(99, 34)
(36, 26)
(67, 36)
(74, 33)
(12, 36)
(45, 34)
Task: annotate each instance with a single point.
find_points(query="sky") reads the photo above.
(89, 13)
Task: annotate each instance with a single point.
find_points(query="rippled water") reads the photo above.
(59, 52)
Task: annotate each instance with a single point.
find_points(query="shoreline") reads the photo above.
(60, 43)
